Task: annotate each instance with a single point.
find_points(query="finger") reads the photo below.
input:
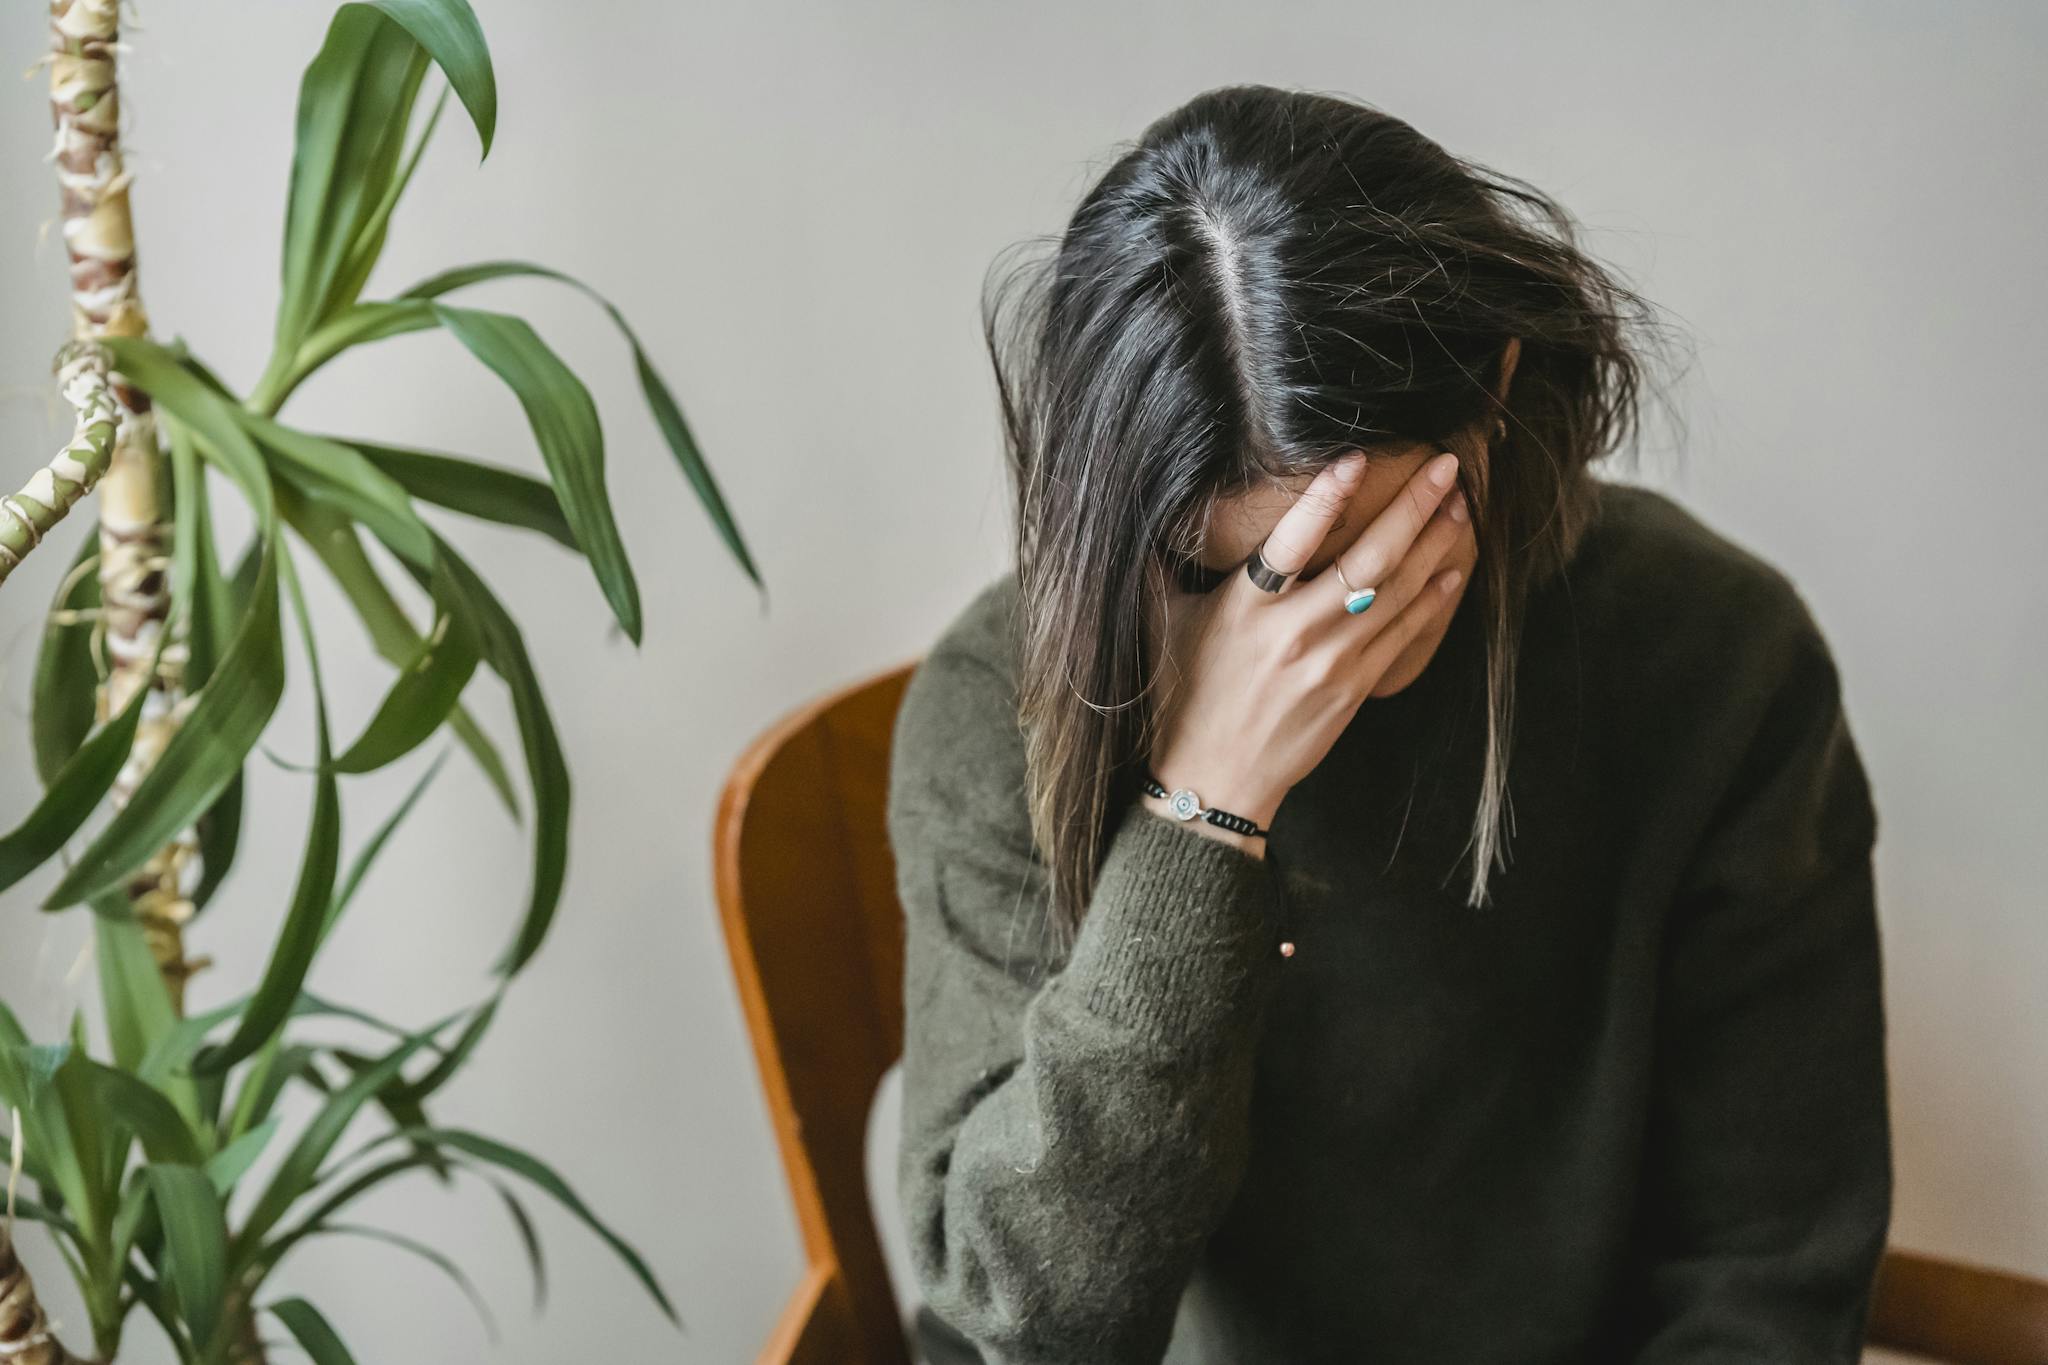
(1301, 528)
(1426, 554)
(1430, 552)
(1378, 551)
(1431, 601)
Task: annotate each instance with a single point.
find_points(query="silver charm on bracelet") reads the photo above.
(1185, 805)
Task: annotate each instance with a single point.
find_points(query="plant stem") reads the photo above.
(135, 531)
(25, 1337)
(31, 513)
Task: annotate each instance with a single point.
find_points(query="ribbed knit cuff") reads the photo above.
(1178, 934)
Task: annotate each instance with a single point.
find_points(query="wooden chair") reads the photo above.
(806, 887)
(807, 893)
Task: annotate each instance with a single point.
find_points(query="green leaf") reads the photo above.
(334, 539)
(661, 403)
(542, 1177)
(354, 1188)
(449, 31)
(306, 917)
(295, 1174)
(226, 1167)
(213, 419)
(136, 1225)
(174, 1051)
(275, 1065)
(73, 795)
(427, 690)
(42, 1062)
(313, 1006)
(31, 1081)
(488, 491)
(355, 101)
(367, 855)
(27, 1084)
(368, 244)
(219, 602)
(220, 835)
(505, 650)
(451, 1061)
(64, 702)
(101, 1145)
(147, 1114)
(35, 1212)
(195, 1247)
(137, 1005)
(439, 1260)
(190, 522)
(565, 423)
(357, 325)
(311, 1331)
(396, 1100)
(228, 715)
(339, 475)
(529, 1238)
(201, 758)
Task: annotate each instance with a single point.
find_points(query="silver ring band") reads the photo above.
(1263, 575)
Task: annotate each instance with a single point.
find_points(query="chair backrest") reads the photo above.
(1958, 1312)
(806, 887)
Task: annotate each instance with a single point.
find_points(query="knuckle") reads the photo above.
(1282, 550)
(1418, 501)
(1322, 502)
(1325, 669)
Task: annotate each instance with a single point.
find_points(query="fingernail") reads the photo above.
(1457, 507)
(1349, 469)
(1443, 469)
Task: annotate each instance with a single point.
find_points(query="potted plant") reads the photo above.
(139, 1144)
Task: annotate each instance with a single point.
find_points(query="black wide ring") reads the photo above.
(1263, 575)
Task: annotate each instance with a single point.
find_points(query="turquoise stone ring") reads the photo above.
(1356, 600)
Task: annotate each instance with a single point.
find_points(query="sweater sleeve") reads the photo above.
(1769, 1185)
(1073, 1128)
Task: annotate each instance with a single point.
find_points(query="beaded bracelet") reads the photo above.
(1185, 805)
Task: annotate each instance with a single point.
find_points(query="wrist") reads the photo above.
(1214, 791)
(1200, 811)
(1202, 829)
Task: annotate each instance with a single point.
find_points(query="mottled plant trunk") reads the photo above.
(248, 1342)
(135, 535)
(30, 513)
(25, 1337)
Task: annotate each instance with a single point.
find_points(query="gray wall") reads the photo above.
(795, 204)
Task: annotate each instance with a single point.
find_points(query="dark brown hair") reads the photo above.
(1264, 280)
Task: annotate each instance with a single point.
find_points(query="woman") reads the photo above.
(1301, 416)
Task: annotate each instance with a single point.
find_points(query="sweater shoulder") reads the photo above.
(1715, 669)
(1670, 593)
(958, 746)
(981, 629)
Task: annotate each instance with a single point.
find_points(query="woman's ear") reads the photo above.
(1507, 368)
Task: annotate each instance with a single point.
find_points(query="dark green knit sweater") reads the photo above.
(1634, 1110)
